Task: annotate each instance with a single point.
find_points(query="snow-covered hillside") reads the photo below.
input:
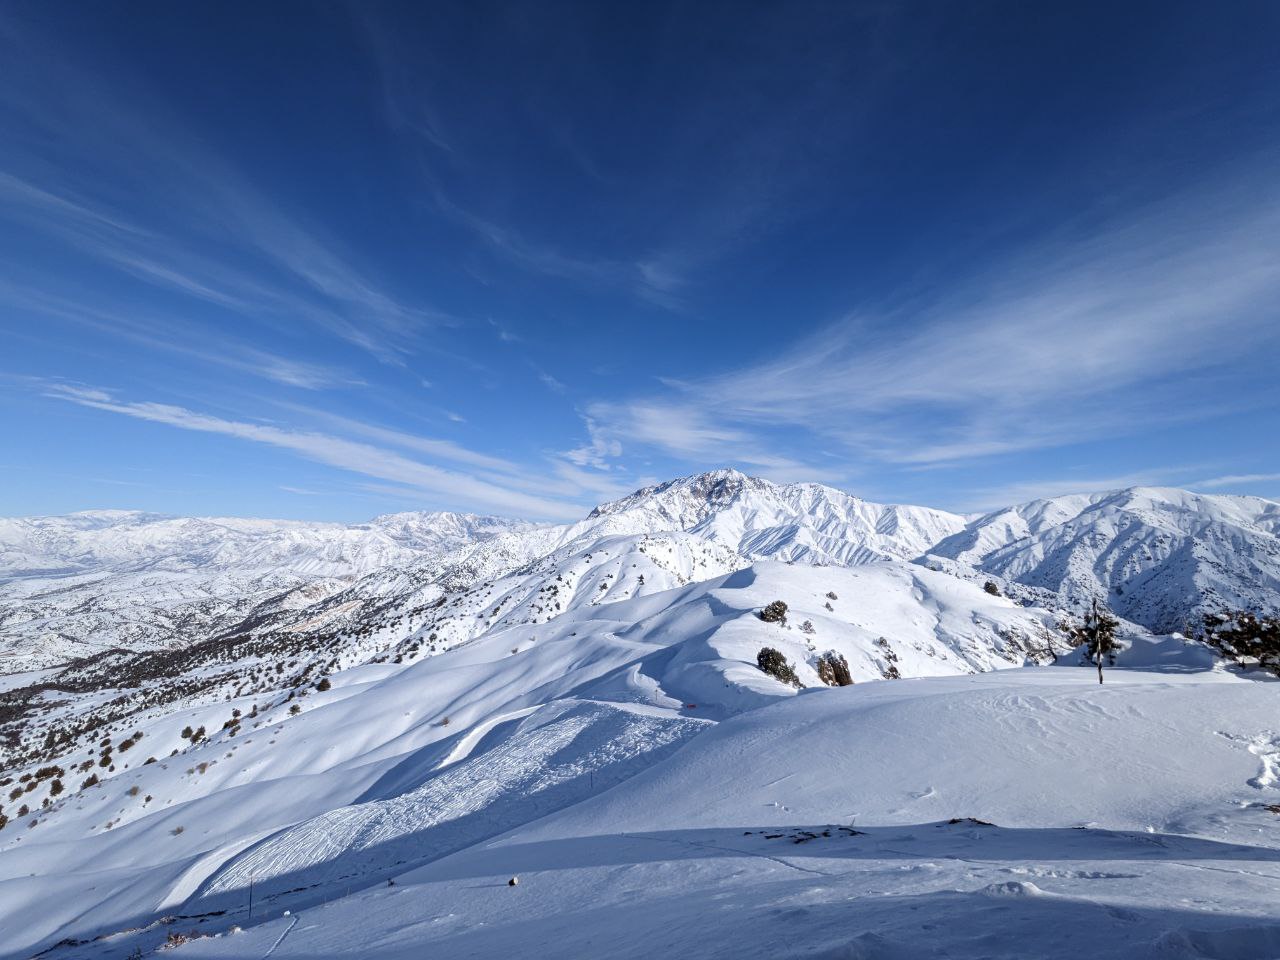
(652, 790)
(373, 728)
(72, 586)
(603, 690)
(1156, 556)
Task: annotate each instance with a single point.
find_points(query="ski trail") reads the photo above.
(293, 922)
(462, 749)
(200, 871)
(585, 750)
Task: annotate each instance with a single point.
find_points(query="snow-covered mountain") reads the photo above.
(1156, 556)
(99, 540)
(374, 727)
(71, 586)
(800, 522)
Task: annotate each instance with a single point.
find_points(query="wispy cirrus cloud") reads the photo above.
(172, 335)
(1101, 331)
(1236, 480)
(354, 456)
(203, 229)
(440, 449)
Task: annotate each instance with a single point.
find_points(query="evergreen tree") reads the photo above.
(775, 612)
(772, 662)
(1098, 635)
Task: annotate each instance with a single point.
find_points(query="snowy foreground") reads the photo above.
(1128, 823)
(1127, 820)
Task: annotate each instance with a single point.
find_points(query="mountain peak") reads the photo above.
(714, 487)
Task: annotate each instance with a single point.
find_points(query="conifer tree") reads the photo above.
(1098, 635)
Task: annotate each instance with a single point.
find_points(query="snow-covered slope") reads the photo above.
(654, 792)
(1156, 556)
(375, 753)
(532, 706)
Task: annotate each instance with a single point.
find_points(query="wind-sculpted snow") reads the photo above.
(506, 722)
(1017, 813)
(561, 755)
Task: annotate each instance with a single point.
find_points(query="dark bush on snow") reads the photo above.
(1240, 637)
(772, 662)
(775, 612)
(833, 670)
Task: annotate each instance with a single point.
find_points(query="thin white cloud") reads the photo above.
(1098, 334)
(354, 456)
(645, 280)
(597, 452)
(210, 235)
(440, 449)
(172, 335)
(551, 382)
(1238, 480)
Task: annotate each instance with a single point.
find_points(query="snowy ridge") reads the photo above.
(1156, 556)
(803, 522)
(94, 541)
(112, 579)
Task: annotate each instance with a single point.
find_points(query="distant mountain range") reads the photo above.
(77, 584)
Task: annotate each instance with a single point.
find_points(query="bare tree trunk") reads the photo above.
(1048, 642)
(1097, 638)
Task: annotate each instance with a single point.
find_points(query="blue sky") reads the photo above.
(329, 261)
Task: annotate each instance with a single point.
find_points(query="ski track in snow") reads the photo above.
(200, 871)
(589, 747)
(293, 922)
(468, 741)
